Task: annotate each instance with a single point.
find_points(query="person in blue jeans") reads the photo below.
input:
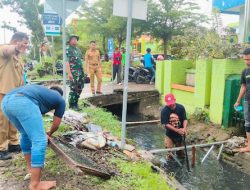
(24, 107)
(149, 64)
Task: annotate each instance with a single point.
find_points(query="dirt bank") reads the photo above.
(204, 133)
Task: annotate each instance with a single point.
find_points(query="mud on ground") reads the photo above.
(12, 172)
(204, 133)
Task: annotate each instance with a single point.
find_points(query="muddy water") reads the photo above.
(211, 175)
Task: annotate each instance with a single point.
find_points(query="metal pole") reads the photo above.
(175, 158)
(125, 86)
(246, 21)
(193, 156)
(186, 154)
(53, 55)
(64, 49)
(208, 152)
(220, 151)
(188, 147)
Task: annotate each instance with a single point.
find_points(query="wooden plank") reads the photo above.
(74, 164)
(183, 87)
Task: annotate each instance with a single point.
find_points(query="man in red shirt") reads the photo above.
(117, 58)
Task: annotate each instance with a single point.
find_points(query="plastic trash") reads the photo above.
(93, 128)
(112, 143)
(238, 108)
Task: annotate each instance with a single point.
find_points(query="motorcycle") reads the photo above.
(139, 75)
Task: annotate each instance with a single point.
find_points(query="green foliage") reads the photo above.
(55, 166)
(201, 115)
(204, 43)
(29, 11)
(139, 175)
(106, 68)
(99, 23)
(168, 18)
(105, 119)
(40, 70)
(46, 67)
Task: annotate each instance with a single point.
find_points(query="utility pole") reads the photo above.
(125, 86)
(64, 48)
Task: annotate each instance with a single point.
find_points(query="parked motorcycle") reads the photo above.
(140, 75)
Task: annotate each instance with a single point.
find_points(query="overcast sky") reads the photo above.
(11, 17)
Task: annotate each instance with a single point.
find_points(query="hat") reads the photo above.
(73, 36)
(170, 99)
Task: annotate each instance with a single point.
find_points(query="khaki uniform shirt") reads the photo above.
(11, 71)
(92, 58)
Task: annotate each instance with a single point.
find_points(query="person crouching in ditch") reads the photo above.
(24, 107)
(173, 117)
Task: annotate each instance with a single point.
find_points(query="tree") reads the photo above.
(99, 20)
(8, 26)
(168, 18)
(205, 43)
(29, 11)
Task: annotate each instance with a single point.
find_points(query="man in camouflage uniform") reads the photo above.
(75, 72)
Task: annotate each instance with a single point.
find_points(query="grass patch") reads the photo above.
(49, 77)
(62, 128)
(55, 166)
(134, 176)
(105, 119)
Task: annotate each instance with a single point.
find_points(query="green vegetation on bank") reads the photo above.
(133, 175)
(105, 119)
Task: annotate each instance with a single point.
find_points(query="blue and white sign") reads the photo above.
(52, 30)
(110, 47)
(53, 19)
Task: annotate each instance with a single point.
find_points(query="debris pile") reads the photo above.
(234, 144)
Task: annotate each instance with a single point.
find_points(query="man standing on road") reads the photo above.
(75, 72)
(11, 76)
(173, 117)
(93, 67)
(245, 90)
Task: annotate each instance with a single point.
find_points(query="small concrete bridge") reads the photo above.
(142, 98)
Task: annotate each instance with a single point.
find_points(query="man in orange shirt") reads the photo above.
(93, 67)
(11, 76)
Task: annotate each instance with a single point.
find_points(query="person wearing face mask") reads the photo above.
(11, 76)
(173, 117)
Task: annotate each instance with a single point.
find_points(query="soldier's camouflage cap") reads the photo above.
(73, 36)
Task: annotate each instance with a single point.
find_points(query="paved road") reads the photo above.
(107, 88)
